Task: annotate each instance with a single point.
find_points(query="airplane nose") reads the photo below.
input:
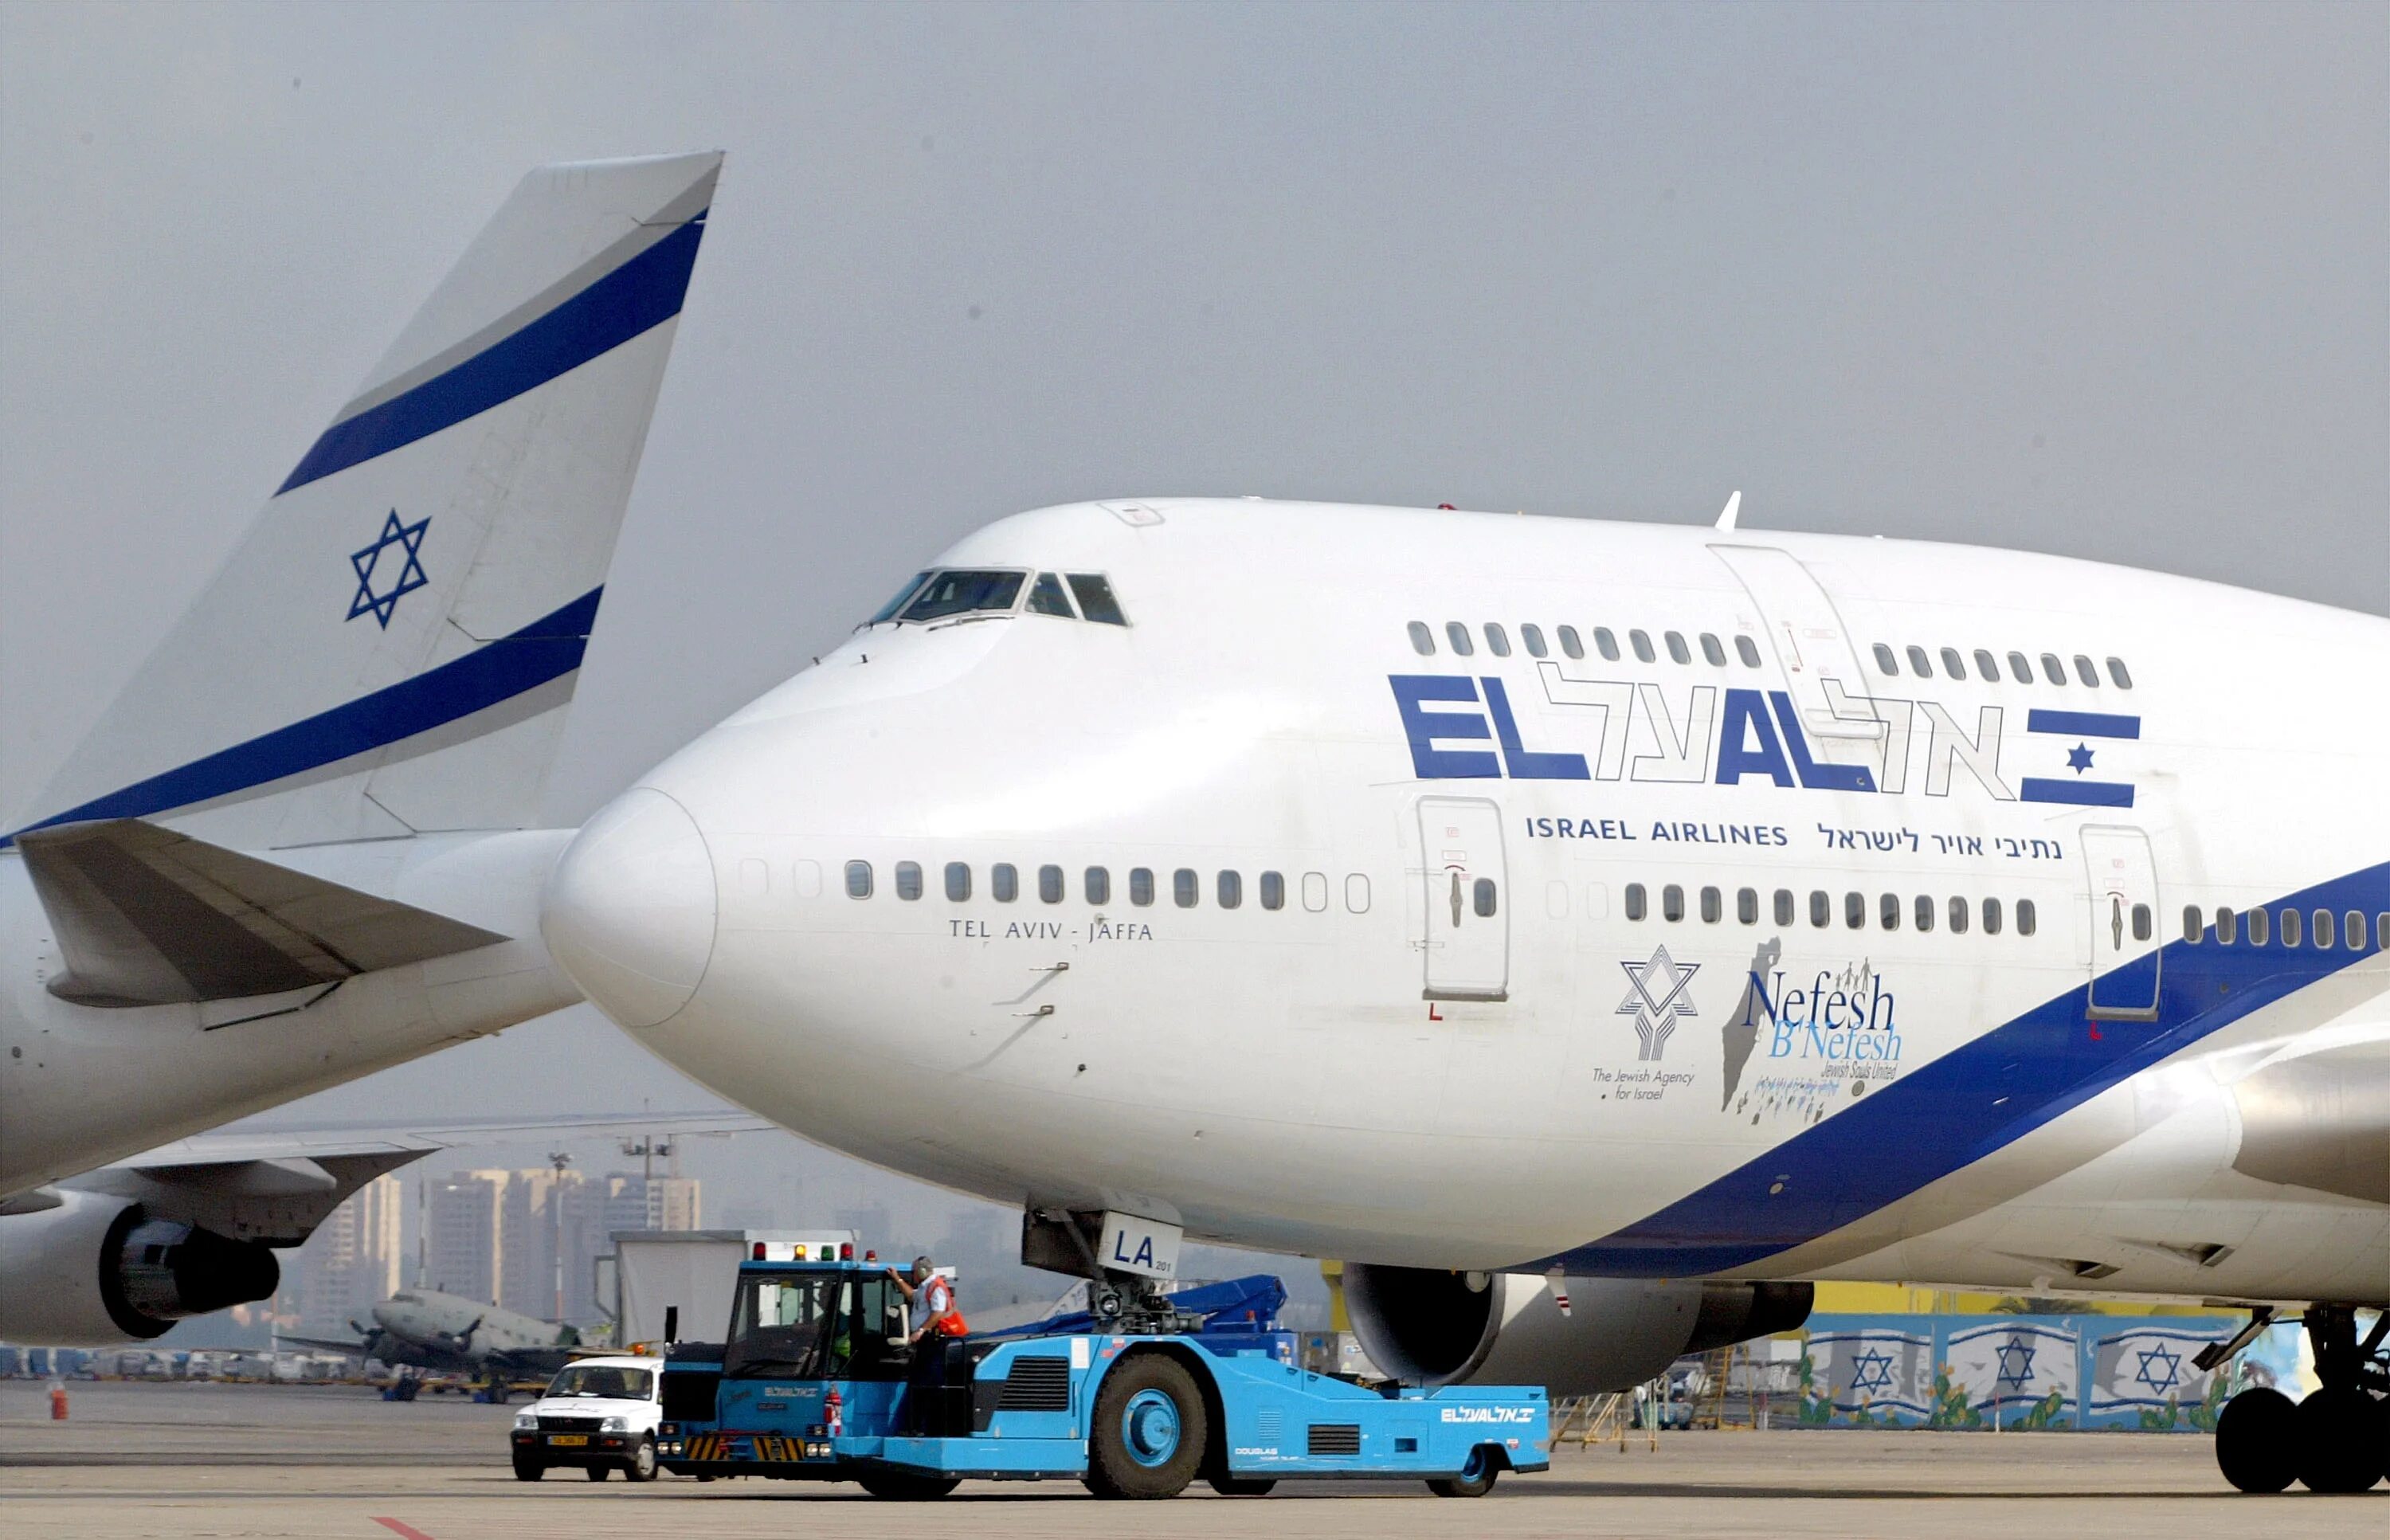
(629, 913)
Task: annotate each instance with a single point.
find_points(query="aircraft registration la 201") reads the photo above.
(1545, 914)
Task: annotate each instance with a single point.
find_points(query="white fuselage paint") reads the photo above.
(80, 1085)
(1281, 1078)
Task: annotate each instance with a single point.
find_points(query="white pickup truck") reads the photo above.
(599, 1413)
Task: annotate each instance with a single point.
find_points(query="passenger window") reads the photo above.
(2144, 923)
(2290, 928)
(1497, 641)
(2085, 671)
(1919, 664)
(1099, 889)
(1480, 897)
(908, 880)
(960, 593)
(1049, 884)
(1951, 665)
(1642, 643)
(1712, 650)
(1003, 882)
(1531, 636)
(1672, 903)
(1273, 891)
(1924, 913)
(1677, 651)
(957, 881)
(1888, 911)
(1783, 906)
(2321, 922)
(2353, 926)
(2025, 916)
(2020, 668)
(1569, 642)
(2261, 926)
(1140, 886)
(889, 611)
(1635, 903)
(1458, 635)
(2381, 932)
(1854, 911)
(2052, 670)
(1045, 597)
(1232, 890)
(1605, 644)
(2119, 674)
(1821, 908)
(2193, 929)
(1096, 600)
(1184, 889)
(1991, 916)
(1957, 916)
(1986, 667)
(809, 879)
(2228, 927)
(1746, 905)
(1886, 662)
(1713, 906)
(1356, 892)
(858, 879)
(1422, 639)
(1748, 650)
(1315, 891)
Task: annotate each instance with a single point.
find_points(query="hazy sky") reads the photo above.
(2112, 281)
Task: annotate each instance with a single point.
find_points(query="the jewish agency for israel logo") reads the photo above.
(1657, 999)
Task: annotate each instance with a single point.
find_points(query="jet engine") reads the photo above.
(1574, 1336)
(94, 1270)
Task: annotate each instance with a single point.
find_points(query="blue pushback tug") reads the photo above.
(815, 1382)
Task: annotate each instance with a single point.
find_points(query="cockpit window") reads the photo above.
(1096, 600)
(1045, 597)
(963, 592)
(889, 611)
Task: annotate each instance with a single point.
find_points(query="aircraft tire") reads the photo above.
(1475, 1479)
(597, 1472)
(1149, 1430)
(2256, 1440)
(528, 1470)
(889, 1487)
(2339, 1434)
(1243, 1487)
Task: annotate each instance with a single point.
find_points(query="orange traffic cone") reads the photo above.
(57, 1402)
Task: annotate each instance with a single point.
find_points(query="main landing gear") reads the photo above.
(2336, 1440)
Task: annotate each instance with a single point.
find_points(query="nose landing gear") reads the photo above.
(2338, 1439)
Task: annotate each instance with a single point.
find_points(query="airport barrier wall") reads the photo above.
(2026, 1372)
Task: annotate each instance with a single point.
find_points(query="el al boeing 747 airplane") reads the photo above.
(299, 847)
(1596, 932)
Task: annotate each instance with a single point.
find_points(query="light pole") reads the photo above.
(560, 1160)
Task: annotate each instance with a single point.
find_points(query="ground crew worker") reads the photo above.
(934, 1298)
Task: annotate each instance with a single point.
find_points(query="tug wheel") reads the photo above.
(1148, 1432)
(1475, 1479)
(1234, 1486)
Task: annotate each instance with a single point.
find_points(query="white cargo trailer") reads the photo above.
(688, 1274)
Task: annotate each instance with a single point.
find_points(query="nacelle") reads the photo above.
(96, 1271)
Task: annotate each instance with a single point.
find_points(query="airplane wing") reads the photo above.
(323, 1344)
(275, 1185)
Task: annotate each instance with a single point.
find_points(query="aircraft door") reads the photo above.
(1812, 645)
(2125, 948)
(1468, 911)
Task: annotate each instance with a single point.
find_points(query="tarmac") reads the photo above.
(197, 1461)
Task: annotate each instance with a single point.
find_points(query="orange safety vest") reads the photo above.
(938, 1298)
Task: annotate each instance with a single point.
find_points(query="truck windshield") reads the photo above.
(598, 1380)
(813, 1325)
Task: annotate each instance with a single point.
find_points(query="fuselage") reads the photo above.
(82, 1085)
(1480, 891)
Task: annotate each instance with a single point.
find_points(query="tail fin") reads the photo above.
(391, 648)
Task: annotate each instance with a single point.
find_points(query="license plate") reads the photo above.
(560, 1441)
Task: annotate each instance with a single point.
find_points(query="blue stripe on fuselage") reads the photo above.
(548, 648)
(643, 292)
(1972, 1101)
